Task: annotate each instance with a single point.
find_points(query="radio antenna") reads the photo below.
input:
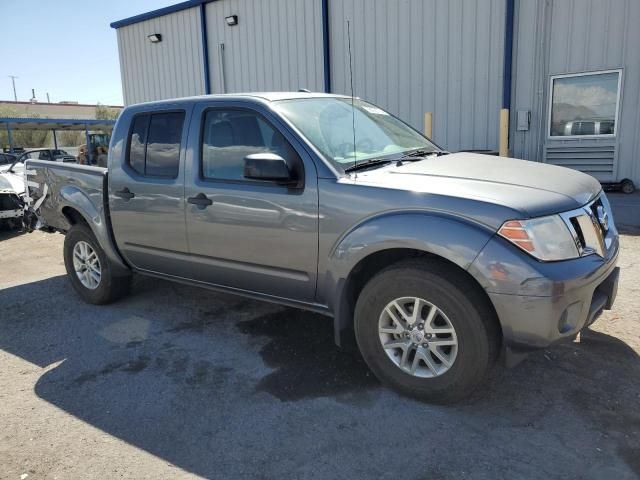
(353, 112)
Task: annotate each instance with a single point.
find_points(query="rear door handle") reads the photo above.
(200, 200)
(125, 194)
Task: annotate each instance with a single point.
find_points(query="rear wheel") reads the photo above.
(89, 269)
(424, 330)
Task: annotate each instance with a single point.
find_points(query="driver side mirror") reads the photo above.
(268, 167)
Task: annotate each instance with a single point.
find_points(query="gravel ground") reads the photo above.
(182, 382)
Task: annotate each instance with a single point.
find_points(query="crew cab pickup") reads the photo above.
(434, 262)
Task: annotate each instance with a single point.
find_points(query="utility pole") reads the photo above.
(48, 100)
(13, 81)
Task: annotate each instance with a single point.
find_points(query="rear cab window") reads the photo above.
(154, 144)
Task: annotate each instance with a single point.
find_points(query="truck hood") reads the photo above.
(533, 189)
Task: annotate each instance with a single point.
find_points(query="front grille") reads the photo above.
(589, 226)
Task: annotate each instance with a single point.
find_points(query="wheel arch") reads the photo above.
(384, 241)
(77, 207)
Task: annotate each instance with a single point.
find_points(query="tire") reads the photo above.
(627, 186)
(460, 309)
(108, 288)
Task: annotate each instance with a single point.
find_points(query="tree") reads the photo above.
(106, 113)
(70, 138)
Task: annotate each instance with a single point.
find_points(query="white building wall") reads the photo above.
(169, 69)
(276, 45)
(571, 36)
(417, 56)
(410, 57)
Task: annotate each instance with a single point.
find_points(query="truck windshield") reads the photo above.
(328, 123)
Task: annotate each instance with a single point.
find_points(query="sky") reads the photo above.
(65, 48)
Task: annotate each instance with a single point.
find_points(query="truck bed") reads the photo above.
(54, 185)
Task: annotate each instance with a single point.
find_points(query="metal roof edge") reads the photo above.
(158, 13)
(51, 104)
(88, 121)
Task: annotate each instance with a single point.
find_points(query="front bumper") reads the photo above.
(541, 303)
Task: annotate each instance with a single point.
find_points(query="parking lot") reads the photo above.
(178, 382)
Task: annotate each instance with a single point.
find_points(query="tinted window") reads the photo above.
(30, 156)
(137, 143)
(583, 128)
(606, 127)
(163, 144)
(154, 145)
(231, 135)
(44, 155)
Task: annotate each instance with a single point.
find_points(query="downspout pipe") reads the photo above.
(205, 47)
(325, 46)
(508, 54)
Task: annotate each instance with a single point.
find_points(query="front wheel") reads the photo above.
(424, 330)
(89, 270)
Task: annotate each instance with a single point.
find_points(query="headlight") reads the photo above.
(546, 238)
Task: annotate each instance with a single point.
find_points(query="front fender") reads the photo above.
(456, 239)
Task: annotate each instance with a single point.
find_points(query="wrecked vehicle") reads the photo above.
(12, 195)
(434, 261)
(49, 154)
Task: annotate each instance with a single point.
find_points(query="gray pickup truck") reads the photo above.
(435, 262)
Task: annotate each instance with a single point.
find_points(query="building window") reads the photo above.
(585, 104)
(154, 144)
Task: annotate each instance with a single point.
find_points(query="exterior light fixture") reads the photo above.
(231, 20)
(155, 38)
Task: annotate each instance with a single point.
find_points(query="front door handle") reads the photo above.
(125, 194)
(200, 200)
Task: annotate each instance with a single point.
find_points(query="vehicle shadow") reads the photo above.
(6, 233)
(626, 212)
(222, 387)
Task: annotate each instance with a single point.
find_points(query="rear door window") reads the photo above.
(154, 144)
(137, 143)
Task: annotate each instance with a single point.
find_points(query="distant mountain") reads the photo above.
(565, 112)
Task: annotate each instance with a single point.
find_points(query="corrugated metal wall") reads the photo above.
(410, 57)
(277, 45)
(572, 36)
(169, 69)
(414, 56)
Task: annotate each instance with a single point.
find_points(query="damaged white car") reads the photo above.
(12, 195)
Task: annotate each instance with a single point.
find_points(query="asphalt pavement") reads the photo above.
(181, 382)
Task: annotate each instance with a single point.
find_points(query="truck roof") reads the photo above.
(265, 96)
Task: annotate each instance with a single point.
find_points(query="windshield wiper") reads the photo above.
(367, 164)
(423, 153)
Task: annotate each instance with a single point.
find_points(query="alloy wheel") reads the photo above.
(418, 337)
(87, 265)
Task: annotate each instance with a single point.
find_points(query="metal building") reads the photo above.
(567, 70)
